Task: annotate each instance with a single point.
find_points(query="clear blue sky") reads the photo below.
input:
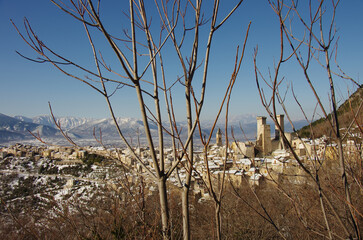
(26, 87)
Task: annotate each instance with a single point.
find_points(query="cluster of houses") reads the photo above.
(37, 152)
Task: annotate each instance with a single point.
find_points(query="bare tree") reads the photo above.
(315, 44)
(216, 190)
(143, 51)
(139, 53)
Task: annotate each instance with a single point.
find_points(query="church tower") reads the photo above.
(219, 138)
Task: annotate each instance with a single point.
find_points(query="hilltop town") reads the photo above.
(57, 180)
(267, 158)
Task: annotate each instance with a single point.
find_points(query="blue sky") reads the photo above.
(26, 87)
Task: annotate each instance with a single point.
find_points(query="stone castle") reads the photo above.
(264, 145)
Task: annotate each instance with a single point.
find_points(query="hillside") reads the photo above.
(346, 113)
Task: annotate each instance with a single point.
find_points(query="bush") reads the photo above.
(91, 159)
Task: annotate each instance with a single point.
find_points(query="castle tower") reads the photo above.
(219, 137)
(263, 136)
(266, 140)
(261, 122)
(278, 134)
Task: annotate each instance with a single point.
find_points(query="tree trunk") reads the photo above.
(185, 212)
(189, 168)
(218, 221)
(164, 210)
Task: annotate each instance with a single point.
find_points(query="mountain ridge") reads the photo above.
(83, 128)
(15, 129)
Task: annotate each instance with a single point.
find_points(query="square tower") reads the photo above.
(261, 121)
(278, 133)
(263, 136)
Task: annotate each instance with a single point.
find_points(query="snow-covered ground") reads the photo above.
(44, 189)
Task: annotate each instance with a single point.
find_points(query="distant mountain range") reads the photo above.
(81, 129)
(66, 122)
(17, 128)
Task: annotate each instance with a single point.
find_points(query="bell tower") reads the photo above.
(219, 138)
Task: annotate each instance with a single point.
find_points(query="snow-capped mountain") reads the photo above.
(82, 129)
(243, 119)
(15, 129)
(65, 122)
(128, 126)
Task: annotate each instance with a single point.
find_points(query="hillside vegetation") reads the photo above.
(348, 113)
